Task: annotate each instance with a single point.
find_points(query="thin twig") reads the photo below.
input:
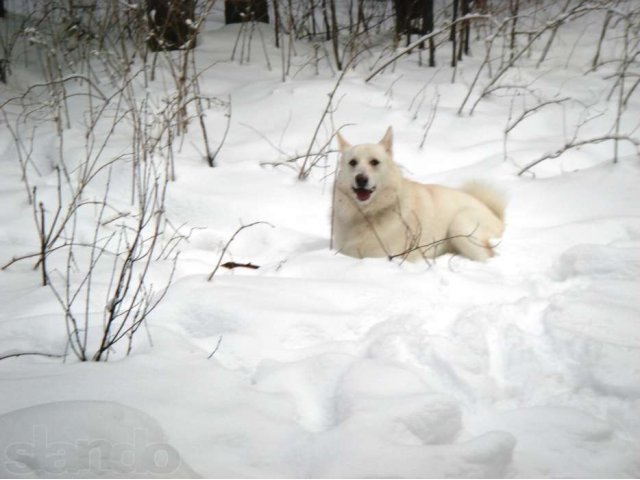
(232, 265)
(212, 159)
(224, 250)
(216, 348)
(38, 354)
(430, 245)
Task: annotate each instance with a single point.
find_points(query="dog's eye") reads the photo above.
(375, 162)
(353, 162)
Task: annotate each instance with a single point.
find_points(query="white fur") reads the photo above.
(405, 219)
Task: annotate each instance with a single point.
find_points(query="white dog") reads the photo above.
(378, 213)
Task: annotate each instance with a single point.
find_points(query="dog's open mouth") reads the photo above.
(363, 194)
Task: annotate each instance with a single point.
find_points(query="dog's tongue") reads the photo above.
(363, 194)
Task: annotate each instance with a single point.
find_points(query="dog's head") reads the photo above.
(367, 169)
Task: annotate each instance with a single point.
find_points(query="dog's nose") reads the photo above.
(361, 180)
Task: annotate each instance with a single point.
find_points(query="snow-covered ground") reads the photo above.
(330, 366)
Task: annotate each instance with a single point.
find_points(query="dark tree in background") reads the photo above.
(415, 16)
(514, 6)
(170, 24)
(464, 30)
(452, 35)
(3, 61)
(238, 11)
(428, 28)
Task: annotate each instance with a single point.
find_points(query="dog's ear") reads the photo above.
(387, 140)
(342, 143)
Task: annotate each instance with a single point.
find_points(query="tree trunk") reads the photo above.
(325, 16)
(428, 28)
(454, 60)
(415, 16)
(4, 67)
(276, 20)
(334, 34)
(514, 6)
(4, 63)
(238, 11)
(466, 28)
(402, 15)
(170, 24)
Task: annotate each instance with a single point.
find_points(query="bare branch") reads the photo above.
(35, 354)
(576, 144)
(426, 37)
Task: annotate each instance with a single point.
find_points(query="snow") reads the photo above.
(41, 441)
(329, 366)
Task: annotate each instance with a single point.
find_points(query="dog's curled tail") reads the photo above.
(492, 198)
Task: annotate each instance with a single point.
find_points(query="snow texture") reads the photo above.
(330, 366)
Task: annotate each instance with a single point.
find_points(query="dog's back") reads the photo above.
(488, 195)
